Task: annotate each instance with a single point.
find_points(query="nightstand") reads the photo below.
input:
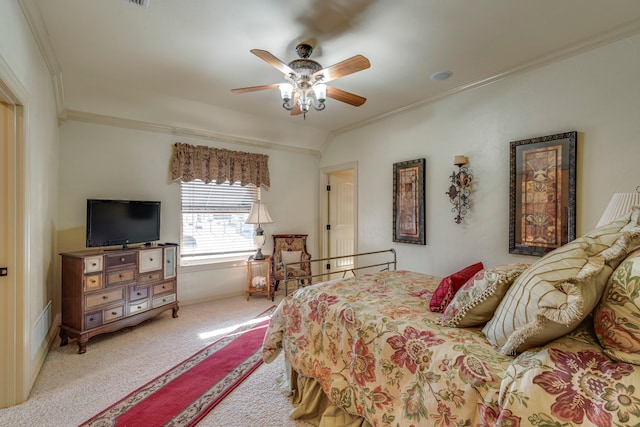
(259, 268)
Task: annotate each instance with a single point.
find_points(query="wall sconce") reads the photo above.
(460, 188)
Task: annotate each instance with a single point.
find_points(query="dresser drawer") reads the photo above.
(170, 261)
(113, 313)
(121, 259)
(163, 300)
(154, 276)
(92, 320)
(150, 260)
(137, 293)
(93, 264)
(120, 277)
(93, 282)
(164, 287)
(104, 297)
(139, 306)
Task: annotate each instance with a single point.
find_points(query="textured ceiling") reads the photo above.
(175, 62)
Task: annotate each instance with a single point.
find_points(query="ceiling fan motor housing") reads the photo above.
(305, 68)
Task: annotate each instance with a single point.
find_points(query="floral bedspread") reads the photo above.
(378, 352)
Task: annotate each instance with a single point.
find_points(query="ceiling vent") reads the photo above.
(141, 3)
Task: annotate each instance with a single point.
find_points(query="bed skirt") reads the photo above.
(313, 406)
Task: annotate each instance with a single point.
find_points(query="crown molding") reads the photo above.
(81, 116)
(38, 28)
(603, 39)
(40, 33)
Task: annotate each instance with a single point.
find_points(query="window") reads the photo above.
(213, 219)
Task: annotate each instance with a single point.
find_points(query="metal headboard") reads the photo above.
(390, 264)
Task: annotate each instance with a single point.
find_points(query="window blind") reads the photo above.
(213, 218)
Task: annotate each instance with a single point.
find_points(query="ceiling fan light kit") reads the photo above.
(305, 85)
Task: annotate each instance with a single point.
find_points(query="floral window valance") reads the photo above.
(218, 165)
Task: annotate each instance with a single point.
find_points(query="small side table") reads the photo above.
(259, 267)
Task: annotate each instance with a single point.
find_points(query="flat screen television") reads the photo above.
(122, 222)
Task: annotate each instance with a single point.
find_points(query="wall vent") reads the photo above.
(141, 3)
(40, 330)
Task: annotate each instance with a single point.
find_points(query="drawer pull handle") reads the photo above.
(113, 313)
(138, 294)
(139, 307)
(164, 287)
(150, 259)
(91, 319)
(150, 276)
(93, 280)
(120, 276)
(93, 264)
(105, 297)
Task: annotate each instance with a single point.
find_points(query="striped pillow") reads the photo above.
(556, 293)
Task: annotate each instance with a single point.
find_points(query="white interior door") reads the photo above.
(341, 220)
(8, 340)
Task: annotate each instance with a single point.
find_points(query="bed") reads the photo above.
(368, 351)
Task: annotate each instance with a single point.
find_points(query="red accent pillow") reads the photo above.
(448, 287)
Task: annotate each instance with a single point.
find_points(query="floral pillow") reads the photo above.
(617, 317)
(476, 301)
(448, 287)
(553, 296)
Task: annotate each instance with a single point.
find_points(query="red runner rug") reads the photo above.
(186, 393)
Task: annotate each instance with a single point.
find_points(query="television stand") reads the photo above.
(107, 291)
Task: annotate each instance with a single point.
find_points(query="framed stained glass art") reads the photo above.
(408, 202)
(542, 202)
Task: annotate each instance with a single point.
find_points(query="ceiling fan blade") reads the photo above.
(346, 97)
(254, 88)
(343, 68)
(272, 60)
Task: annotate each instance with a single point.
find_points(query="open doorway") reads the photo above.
(339, 217)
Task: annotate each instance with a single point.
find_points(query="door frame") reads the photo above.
(14, 339)
(324, 207)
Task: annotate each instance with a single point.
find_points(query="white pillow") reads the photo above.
(291, 256)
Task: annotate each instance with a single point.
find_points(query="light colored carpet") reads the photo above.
(72, 387)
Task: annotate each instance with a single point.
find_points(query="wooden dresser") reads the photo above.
(105, 290)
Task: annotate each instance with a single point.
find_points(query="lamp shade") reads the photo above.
(459, 160)
(620, 204)
(259, 214)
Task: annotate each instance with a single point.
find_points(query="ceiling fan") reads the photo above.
(306, 80)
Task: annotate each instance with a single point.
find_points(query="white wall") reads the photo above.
(25, 73)
(101, 161)
(595, 93)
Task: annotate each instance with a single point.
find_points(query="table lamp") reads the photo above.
(620, 204)
(259, 215)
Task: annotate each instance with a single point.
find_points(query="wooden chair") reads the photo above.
(288, 248)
